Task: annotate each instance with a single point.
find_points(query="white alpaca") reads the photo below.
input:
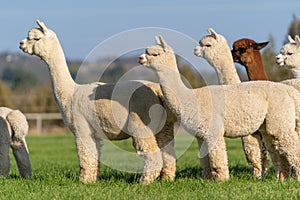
(93, 112)
(214, 48)
(14, 128)
(235, 110)
(289, 56)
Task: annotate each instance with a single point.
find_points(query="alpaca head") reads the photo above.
(39, 41)
(159, 55)
(245, 51)
(290, 53)
(212, 47)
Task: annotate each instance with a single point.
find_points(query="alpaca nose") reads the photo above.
(142, 59)
(22, 43)
(279, 59)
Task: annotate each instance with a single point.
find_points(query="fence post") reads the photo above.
(39, 123)
(39, 117)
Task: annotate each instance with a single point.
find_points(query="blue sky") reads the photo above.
(82, 25)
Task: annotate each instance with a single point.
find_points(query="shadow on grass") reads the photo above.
(237, 171)
(240, 171)
(110, 174)
(189, 172)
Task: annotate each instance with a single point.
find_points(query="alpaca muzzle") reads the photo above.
(143, 59)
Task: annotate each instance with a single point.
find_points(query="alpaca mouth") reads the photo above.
(24, 49)
(280, 60)
(197, 51)
(23, 46)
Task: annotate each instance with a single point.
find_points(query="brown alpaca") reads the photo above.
(246, 52)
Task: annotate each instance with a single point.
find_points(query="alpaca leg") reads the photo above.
(4, 148)
(270, 149)
(289, 147)
(145, 144)
(215, 147)
(148, 149)
(88, 158)
(273, 153)
(4, 159)
(21, 154)
(265, 161)
(204, 162)
(165, 140)
(88, 150)
(285, 168)
(285, 148)
(218, 160)
(256, 157)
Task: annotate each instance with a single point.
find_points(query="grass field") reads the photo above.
(55, 176)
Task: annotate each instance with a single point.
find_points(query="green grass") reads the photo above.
(55, 176)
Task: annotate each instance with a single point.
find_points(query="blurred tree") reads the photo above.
(73, 67)
(293, 29)
(113, 73)
(39, 99)
(6, 95)
(18, 78)
(191, 76)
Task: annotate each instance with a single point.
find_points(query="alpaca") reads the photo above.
(289, 56)
(93, 112)
(14, 128)
(235, 110)
(246, 52)
(212, 48)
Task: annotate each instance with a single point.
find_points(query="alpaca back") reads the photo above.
(109, 105)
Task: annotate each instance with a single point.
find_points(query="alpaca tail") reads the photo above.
(19, 128)
(18, 124)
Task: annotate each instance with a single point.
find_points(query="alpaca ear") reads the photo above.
(291, 40)
(214, 34)
(297, 39)
(160, 41)
(258, 46)
(157, 40)
(42, 26)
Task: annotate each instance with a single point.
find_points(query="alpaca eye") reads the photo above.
(242, 50)
(208, 45)
(155, 54)
(289, 53)
(36, 39)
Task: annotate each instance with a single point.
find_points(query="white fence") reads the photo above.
(39, 117)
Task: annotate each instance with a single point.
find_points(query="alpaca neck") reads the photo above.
(176, 94)
(296, 72)
(61, 80)
(255, 69)
(226, 71)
